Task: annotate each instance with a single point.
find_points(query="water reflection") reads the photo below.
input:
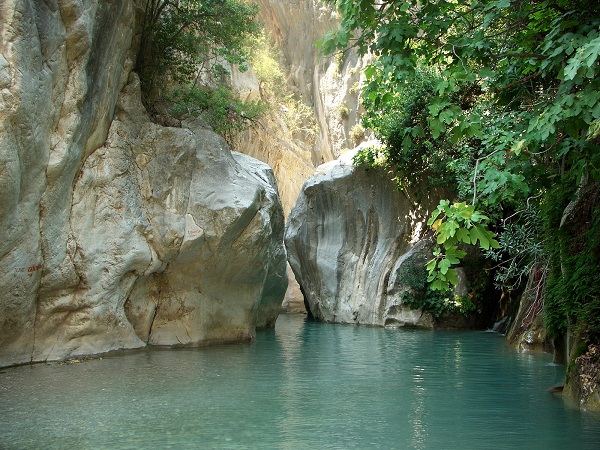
(303, 385)
(418, 422)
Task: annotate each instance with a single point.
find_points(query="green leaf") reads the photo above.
(434, 215)
(486, 72)
(477, 216)
(466, 212)
(452, 276)
(437, 128)
(454, 254)
(446, 231)
(436, 106)
(431, 265)
(444, 265)
(463, 235)
(484, 236)
(439, 285)
(452, 259)
(585, 56)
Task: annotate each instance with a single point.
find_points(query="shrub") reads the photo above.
(186, 47)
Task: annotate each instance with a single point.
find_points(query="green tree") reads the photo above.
(418, 155)
(186, 47)
(517, 96)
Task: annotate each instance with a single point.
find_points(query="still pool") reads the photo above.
(304, 385)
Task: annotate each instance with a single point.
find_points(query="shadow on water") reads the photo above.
(302, 385)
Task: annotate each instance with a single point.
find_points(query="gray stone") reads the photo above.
(117, 232)
(350, 237)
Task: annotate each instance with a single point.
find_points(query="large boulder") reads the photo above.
(351, 239)
(116, 232)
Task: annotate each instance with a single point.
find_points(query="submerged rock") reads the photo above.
(350, 238)
(117, 232)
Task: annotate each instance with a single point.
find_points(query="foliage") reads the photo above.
(343, 112)
(264, 58)
(297, 115)
(189, 45)
(422, 296)
(418, 154)
(455, 224)
(520, 249)
(517, 96)
(219, 107)
(357, 134)
(299, 118)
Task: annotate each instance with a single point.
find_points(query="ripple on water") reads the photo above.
(303, 385)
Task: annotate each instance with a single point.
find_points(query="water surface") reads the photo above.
(304, 385)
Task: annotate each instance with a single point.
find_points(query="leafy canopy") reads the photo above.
(416, 153)
(517, 97)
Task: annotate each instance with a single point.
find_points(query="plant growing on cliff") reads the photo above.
(218, 106)
(185, 50)
(298, 117)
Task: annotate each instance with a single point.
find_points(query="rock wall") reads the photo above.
(527, 332)
(350, 238)
(117, 233)
(328, 84)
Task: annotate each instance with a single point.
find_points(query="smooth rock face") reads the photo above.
(328, 83)
(117, 233)
(350, 238)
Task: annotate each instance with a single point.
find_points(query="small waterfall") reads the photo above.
(501, 326)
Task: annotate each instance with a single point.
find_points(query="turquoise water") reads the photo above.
(304, 385)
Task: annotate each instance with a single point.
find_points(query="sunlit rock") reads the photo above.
(350, 238)
(117, 232)
(330, 84)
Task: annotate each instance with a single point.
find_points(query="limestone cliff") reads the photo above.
(350, 238)
(328, 85)
(117, 232)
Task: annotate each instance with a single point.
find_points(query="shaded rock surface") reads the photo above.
(350, 238)
(118, 233)
(584, 379)
(528, 332)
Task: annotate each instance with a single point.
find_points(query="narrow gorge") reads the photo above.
(124, 230)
